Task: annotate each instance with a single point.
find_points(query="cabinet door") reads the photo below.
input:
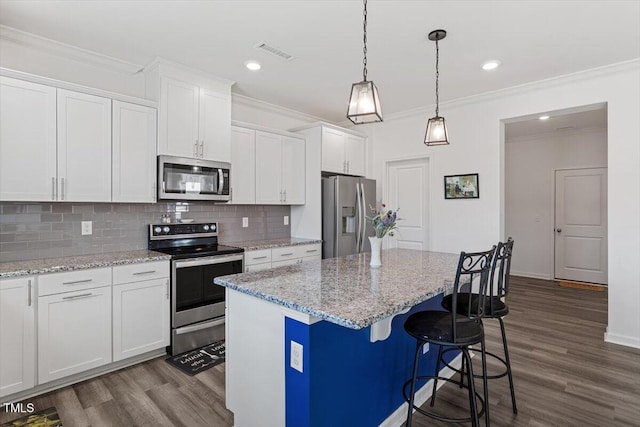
(134, 153)
(293, 170)
(17, 335)
(355, 155)
(178, 118)
(292, 261)
(215, 126)
(74, 332)
(269, 189)
(140, 317)
(333, 151)
(243, 166)
(84, 147)
(27, 141)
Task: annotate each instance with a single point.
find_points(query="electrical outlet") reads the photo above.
(87, 228)
(286, 220)
(425, 348)
(296, 356)
(245, 222)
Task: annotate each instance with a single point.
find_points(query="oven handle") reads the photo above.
(194, 262)
(199, 326)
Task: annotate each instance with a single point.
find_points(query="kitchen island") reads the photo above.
(322, 343)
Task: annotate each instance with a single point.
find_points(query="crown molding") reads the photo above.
(30, 40)
(172, 66)
(619, 67)
(273, 108)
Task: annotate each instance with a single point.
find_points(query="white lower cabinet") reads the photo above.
(74, 332)
(17, 335)
(140, 317)
(264, 259)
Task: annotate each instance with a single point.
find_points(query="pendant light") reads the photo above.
(436, 127)
(364, 103)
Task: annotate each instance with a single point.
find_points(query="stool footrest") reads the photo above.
(489, 377)
(436, 416)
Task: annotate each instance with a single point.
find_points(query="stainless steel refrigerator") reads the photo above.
(345, 206)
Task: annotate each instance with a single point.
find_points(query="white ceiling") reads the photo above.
(557, 123)
(534, 40)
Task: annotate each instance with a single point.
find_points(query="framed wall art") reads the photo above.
(462, 186)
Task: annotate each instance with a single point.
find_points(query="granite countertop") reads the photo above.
(55, 265)
(254, 245)
(348, 292)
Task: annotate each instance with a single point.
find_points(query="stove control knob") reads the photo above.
(157, 230)
(206, 228)
(213, 227)
(165, 229)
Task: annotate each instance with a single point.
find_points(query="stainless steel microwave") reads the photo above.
(182, 178)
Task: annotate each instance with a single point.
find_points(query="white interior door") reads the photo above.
(581, 225)
(408, 190)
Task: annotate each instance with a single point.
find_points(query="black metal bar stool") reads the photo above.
(457, 330)
(495, 308)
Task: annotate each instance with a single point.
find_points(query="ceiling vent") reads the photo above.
(275, 51)
(566, 127)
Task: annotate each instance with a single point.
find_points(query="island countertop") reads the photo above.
(346, 290)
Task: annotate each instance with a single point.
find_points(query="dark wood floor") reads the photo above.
(565, 375)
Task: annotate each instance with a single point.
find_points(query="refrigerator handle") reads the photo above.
(363, 202)
(358, 209)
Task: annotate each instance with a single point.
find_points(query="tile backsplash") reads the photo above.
(45, 230)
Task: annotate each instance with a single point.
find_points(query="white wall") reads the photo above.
(477, 133)
(530, 165)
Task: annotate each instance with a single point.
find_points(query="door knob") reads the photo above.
(558, 230)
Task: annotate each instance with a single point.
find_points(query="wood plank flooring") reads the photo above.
(565, 375)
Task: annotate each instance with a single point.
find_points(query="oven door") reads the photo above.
(194, 295)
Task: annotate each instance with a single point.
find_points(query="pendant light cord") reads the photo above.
(364, 49)
(437, 77)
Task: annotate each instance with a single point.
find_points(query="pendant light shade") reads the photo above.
(437, 133)
(364, 103)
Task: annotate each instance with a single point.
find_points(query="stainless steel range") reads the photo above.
(197, 304)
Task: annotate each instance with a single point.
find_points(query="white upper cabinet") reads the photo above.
(194, 121)
(333, 151)
(214, 128)
(17, 335)
(179, 107)
(354, 153)
(243, 166)
(280, 169)
(293, 171)
(342, 152)
(84, 147)
(269, 188)
(134, 153)
(27, 141)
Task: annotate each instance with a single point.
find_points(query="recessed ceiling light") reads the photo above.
(253, 65)
(490, 65)
(543, 118)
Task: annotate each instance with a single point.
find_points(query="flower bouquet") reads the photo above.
(384, 221)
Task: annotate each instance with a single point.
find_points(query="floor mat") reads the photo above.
(48, 417)
(198, 360)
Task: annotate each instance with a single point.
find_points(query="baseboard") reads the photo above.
(531, 275)
(622, 340)
(399, 416)
(83, 376)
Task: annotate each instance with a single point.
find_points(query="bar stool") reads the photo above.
(459, 330)
(495, 308)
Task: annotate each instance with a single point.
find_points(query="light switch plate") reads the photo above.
(296, 356)
(286, 220)
(245, 222)
(87, 228)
